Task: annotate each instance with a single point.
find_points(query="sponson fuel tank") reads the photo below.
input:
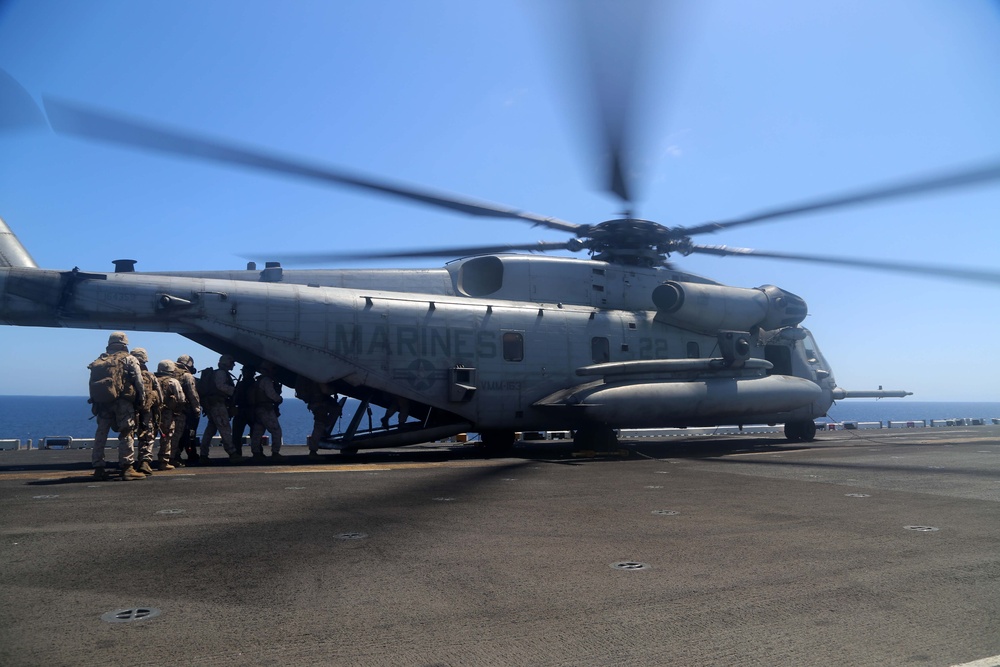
(650, 404)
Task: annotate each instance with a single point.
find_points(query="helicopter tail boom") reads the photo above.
(12, 252)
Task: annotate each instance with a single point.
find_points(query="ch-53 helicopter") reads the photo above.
(498, 341)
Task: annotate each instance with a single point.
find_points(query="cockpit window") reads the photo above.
(813, 355)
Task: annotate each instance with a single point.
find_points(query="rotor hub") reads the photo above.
(634, 241)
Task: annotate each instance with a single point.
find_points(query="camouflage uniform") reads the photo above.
(147, 414)
(119, 415)
(323, 406)
(267, 397)
(188, 420)
(243, 408)
(216, 406)
(400, 405)
(171, 410)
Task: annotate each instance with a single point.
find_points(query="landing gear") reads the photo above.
(599, 438)
(496, 443)
(800, 431)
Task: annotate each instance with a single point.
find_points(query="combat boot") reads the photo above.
(145, 468)
(163, 464)
(235, 458)
(129, 473)
(101, 475)
(259, 457)
(277, 458)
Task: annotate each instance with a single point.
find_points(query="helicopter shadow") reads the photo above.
(557, 452)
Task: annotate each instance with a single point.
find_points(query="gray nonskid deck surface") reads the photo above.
(754, 553)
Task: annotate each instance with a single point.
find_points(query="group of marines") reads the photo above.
(130, 399)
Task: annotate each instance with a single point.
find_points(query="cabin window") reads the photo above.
(694, 351)
(513, 346)
(781, 357)
(600, 350)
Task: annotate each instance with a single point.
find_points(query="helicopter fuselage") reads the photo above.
(501, 343)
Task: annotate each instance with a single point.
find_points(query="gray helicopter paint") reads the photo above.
(532, 279)
(401, 343)
(12, 252)
(383, 334)
(734, 399)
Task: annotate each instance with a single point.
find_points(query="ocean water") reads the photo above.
(43, 416)
(901, 409)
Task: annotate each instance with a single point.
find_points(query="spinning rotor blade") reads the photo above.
(974, 275)
(18, 110)
(978, 175)
(326, 258)
(69, 118)
(613, 43)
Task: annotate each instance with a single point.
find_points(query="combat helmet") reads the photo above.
(118, 338)
(166, 367)
(141, 354)
(117, 342)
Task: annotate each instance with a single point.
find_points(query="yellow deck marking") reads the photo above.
(269, 470)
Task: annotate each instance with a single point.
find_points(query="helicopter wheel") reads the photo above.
(810, 431)
(497, 443)
(800, 431)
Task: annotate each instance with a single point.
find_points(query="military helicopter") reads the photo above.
(498, 341)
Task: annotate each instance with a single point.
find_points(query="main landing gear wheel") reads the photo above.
(598, 438)
(496, 443)
(800, 431)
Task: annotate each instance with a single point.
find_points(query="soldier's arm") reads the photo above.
(272, 392)
(223, 383)
(192, 393)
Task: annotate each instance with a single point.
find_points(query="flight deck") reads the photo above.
(861, 548)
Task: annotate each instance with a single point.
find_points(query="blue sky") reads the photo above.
(751, 105)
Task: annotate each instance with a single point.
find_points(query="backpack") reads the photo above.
(243, 396)
(307, 390)
(151, 396)
(258, 395)
(173, 394)
(107, 378)
(206, 384)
